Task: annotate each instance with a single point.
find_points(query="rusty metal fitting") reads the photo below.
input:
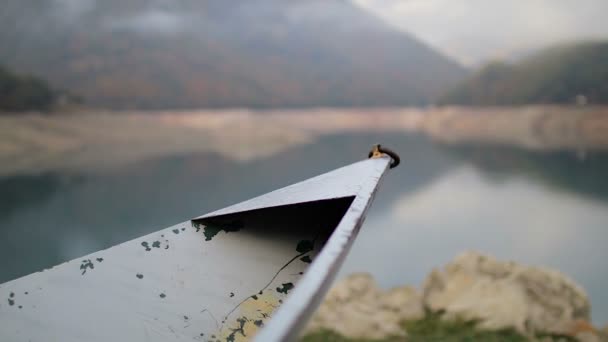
(378, 151)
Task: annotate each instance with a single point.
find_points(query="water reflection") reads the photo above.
(55, 216)
(566, 170)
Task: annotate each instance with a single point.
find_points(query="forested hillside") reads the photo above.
(22, 92)
(562, 74)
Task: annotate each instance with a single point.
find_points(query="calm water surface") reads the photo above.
(548, 209)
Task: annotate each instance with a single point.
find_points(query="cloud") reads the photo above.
(152, 21)
(340, 15)
(73, 8)
(476, 30)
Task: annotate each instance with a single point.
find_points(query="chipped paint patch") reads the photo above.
(285, 288)
(11, 299)
(196, 226)
(252, 315)
(306, 259)
(305, 246)
(155, 244)
(86, 264)
(211, 230)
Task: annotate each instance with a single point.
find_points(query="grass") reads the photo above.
(432, 328)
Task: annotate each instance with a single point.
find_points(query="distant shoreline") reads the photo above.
(35, 141)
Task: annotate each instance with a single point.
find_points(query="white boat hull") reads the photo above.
(221, 276)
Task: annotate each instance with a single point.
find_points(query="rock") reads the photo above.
(356, 308)
(603, 332)
(503, 295)
(552, 339)
(588, 336)
(582, 330)
(404, 301)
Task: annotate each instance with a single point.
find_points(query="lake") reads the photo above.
(72, 185)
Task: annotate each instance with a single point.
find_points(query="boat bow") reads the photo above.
(263, 264)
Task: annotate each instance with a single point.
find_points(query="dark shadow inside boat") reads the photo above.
(310, 223)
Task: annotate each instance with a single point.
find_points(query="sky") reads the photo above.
(474, 31)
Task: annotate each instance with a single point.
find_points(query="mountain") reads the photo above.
(561, 74)
(153, 54)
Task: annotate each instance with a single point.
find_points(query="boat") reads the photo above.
(254, 270)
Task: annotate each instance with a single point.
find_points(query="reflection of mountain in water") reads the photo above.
(579, 173)
(28, 190)
(30, 241)
(111, 206)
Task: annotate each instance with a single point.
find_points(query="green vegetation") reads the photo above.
(432, 328)
(22, 93)
(330, 336)
(555, 75)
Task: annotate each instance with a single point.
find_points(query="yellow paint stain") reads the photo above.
(252, 315)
